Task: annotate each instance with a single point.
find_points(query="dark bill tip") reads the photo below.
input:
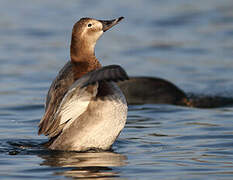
(120, 18)
(107, 24)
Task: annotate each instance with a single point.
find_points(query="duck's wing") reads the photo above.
(60, 85)
(57, 90)
(79, 95)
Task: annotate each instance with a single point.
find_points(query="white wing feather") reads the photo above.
(74, 103)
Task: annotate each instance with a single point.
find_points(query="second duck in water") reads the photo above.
(85, 109)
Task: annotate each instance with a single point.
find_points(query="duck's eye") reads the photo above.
(89, 25)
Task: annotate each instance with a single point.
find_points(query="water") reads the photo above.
(189, 43)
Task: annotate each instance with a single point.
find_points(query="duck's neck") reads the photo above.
(83, 58)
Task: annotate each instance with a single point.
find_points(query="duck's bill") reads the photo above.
(110, 23)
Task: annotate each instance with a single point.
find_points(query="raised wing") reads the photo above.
(57, 91)
(74, 103)
(79, 95)
(107, 73)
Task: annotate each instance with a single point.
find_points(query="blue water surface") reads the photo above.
(189, 43)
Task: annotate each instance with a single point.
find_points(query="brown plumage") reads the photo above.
(77, 90)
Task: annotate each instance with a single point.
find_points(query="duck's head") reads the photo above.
(87, 31)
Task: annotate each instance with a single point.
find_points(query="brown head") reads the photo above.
(85, 34)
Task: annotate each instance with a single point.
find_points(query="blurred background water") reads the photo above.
(189, 43)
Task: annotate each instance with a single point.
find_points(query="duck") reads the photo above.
(155, 90)
(152, 90)
(85, 109)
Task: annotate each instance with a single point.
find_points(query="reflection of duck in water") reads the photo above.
(84, 165)
(84, 110)
(150, 90)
